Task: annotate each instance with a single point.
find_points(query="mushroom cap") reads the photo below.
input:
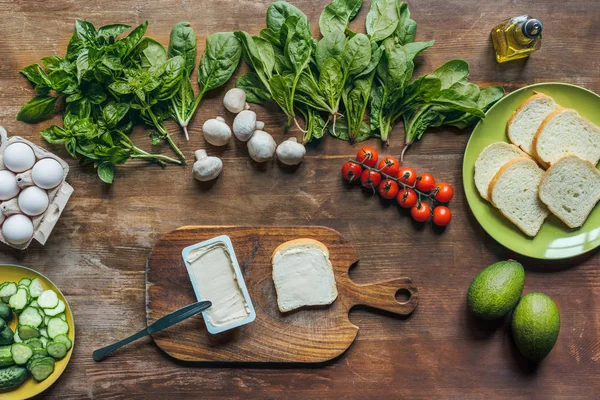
(235, 100)
(216, 132)
(207, 168)
(261, 146)
(244, 125)
(290, 152)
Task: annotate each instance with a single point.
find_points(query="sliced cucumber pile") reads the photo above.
(41, 336)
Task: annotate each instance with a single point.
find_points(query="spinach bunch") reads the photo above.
(278, 58)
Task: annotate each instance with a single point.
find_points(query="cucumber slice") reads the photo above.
(57, 350)
(25, 281)
(34, 343)
(60, 308)
(26, 289)
(5, 312)
(21, 353)
(35, 304)
(7, 337)
(46, 320)
(8, 289)
(62, 316)
(40, 352)
(44, 340)
(65, 340)
(6, 359)
(28, 332)
(31, 316)
(57, 326)
(19, 300)
(36, 288)
(41, 371)
(44, 332)
(16, 337)
(35, 357)
(48, 299)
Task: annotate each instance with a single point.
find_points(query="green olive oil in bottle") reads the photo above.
(516, 38)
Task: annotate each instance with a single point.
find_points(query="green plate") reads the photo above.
(555, 240)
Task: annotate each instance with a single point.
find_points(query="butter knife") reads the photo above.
(163, 323)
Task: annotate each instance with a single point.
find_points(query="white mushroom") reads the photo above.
(245, 124)
(206, 168)
(235, 100)
(261, 146)
(216, 131)
(290, 152)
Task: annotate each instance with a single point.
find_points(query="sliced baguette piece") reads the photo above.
(489, 162)
(303, 275)
(514, 191)
(525, 121)
(565, 132)
(571, 188)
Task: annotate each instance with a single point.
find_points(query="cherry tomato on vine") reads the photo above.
(421, 212)
(425, 183)
(407, 176)
(367, 156)
(370, 179)
(442, 215)
(389, 165)
(388, 189)
(443, 192)
(351, 171)
(407, 198)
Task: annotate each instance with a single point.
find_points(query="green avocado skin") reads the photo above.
(496, 290)
(535, 325)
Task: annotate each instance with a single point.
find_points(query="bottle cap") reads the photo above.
(532, 28)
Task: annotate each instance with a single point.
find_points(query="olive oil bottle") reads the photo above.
(516, 38)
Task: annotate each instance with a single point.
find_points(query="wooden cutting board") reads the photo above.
(301, 336)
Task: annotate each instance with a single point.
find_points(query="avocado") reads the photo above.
(496, 290)
(535, 325)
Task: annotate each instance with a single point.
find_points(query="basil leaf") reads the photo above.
(37, 109)
(106, 172)
(382, 19)
(134, 37)
(112, 30)
(74, 47)
(220, 59)
(54, 135)
(53, 63)
(85, 31)
(182, 42)
(279, 11)
(114, 112)
(38, 77)
(337, 14)
(82, 64)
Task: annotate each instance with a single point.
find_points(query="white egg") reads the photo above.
(18, 157)
(47, 173)
(8, 185)
(17, 229)
(33, 201)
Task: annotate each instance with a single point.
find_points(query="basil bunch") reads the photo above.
(349, 75)
(110, 84)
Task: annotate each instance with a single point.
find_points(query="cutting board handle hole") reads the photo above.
(402, 296)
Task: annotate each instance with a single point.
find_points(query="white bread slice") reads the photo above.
(571, 188)
(489, 162)
(303, 275)
(514, 191)
(525, 121)
(565, 132)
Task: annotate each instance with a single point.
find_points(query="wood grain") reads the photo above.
(98, 250)
(310, 335)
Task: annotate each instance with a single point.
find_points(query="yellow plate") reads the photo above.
(30, 388)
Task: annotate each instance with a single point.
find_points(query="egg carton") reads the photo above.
(43, 224)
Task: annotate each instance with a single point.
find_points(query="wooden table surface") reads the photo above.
(98, 250)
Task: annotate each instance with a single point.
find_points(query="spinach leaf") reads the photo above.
(279, 11)
(382, 19)
(356, 55)
(337, 15)
(182, 42)
(171, 78)
(254, 88)
(153, 53)
(37, 109)
(331, 46)
(407, 28)
(219, 61)
(331, 81)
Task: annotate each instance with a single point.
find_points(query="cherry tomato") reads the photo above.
(443, 192)
(442, 216)
(388, 189)
(370, 179)
(421, 212)
(389, 165)
(425, 183)
(367, 156)
(407, 176)
(407, 198)
(351, 171)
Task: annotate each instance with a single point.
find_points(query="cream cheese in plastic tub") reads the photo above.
(216, 276)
